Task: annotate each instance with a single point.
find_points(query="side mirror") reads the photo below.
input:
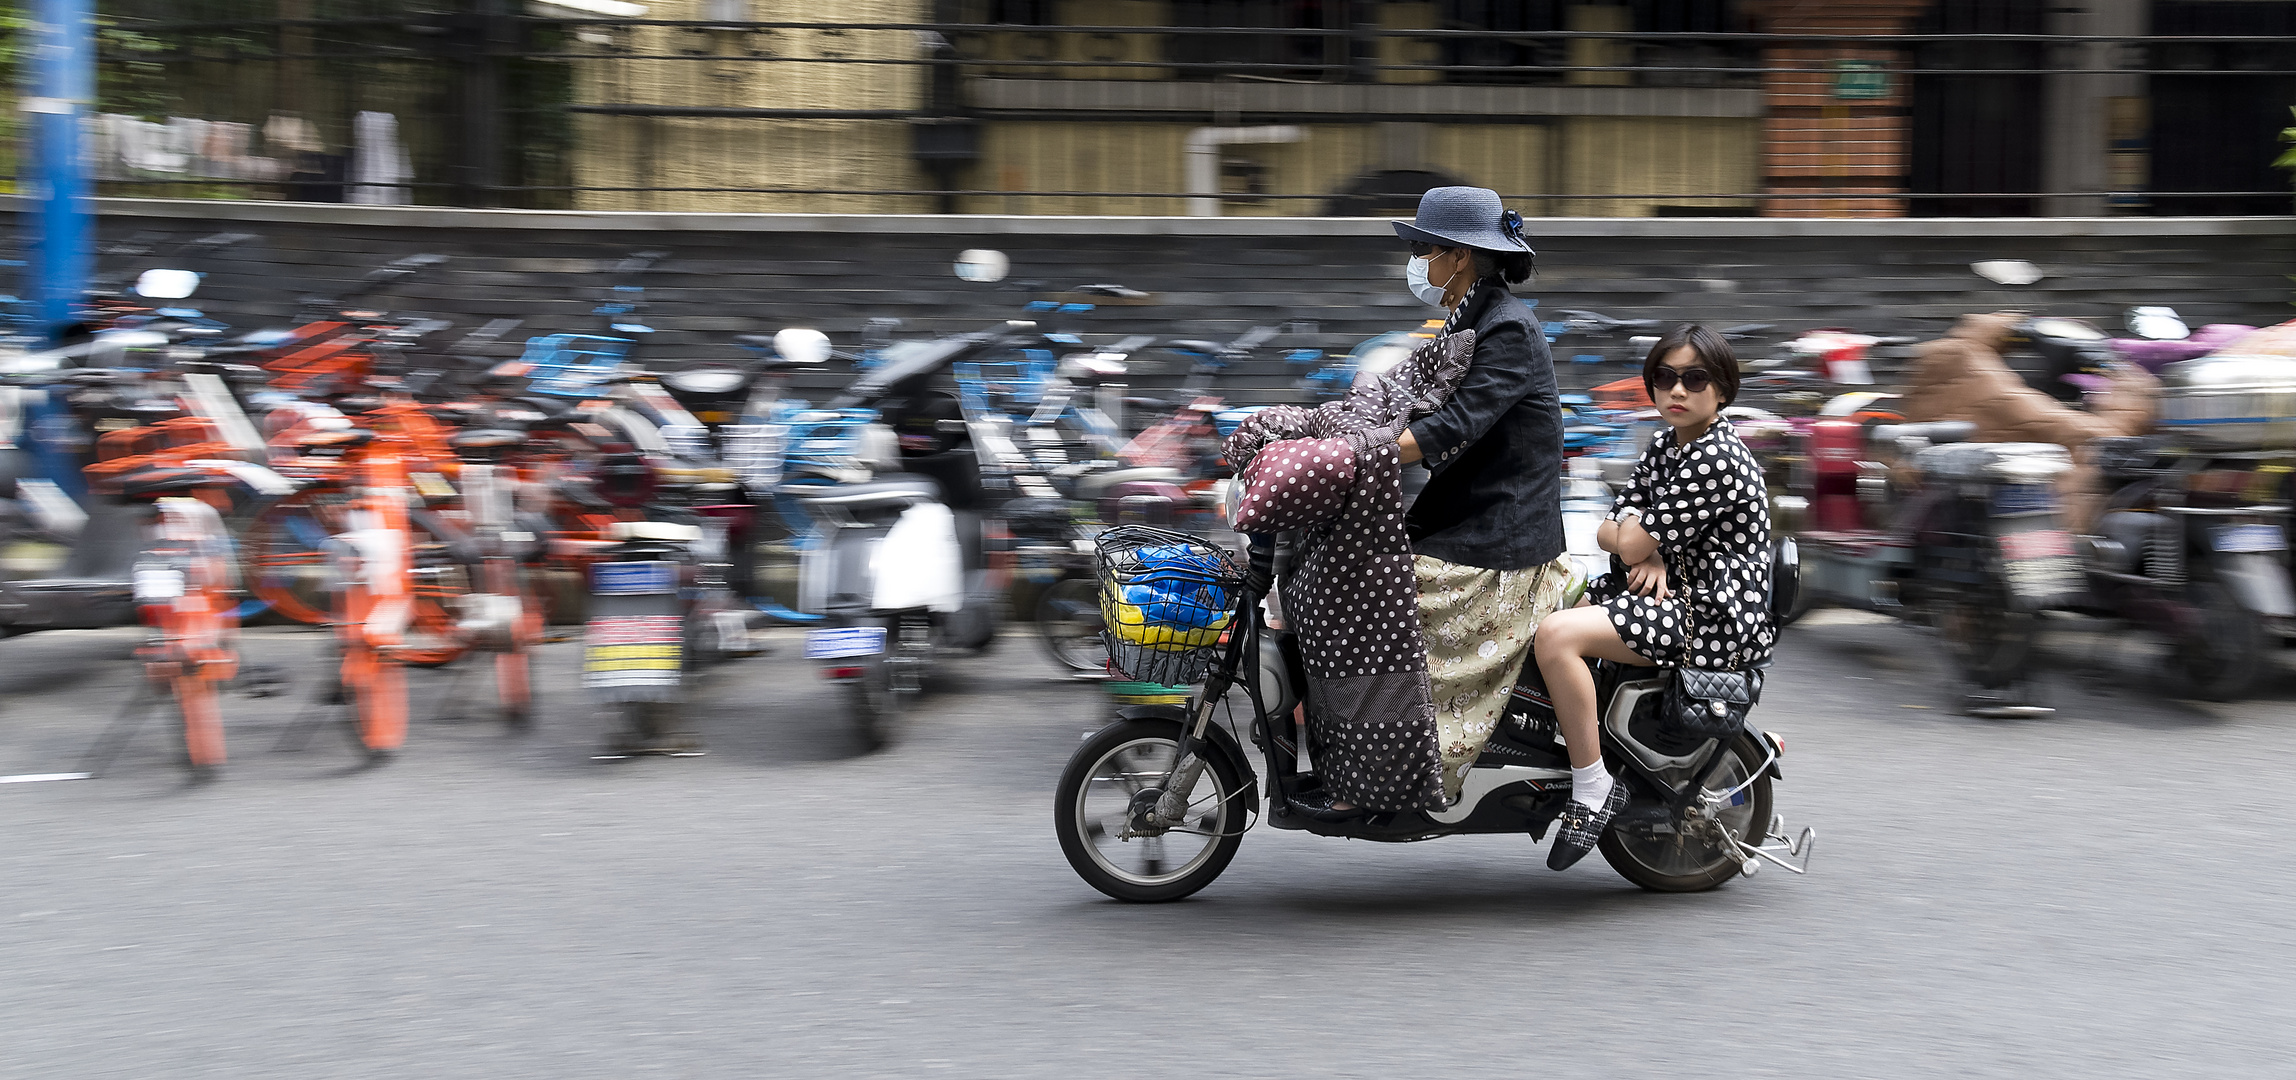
(2157, 324)
(2007, 271)
(167, 284)
(802, 346)
(983, 265)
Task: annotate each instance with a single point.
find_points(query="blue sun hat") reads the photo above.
(1469, 217)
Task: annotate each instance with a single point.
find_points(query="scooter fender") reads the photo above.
(1215, 733)
(1775, 745)
(2258, 582)
(918, 563)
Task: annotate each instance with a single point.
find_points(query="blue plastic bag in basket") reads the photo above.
(1171, 589)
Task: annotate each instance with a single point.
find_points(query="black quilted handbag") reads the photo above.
(1704, 703)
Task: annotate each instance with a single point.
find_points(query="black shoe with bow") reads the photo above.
(1580, 827)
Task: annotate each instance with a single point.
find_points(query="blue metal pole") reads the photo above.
(61, 85)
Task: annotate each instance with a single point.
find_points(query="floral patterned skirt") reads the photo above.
(1478, 624)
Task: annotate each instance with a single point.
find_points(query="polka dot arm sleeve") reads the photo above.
(1295, 484)
(1706, 486)
(1636, 494)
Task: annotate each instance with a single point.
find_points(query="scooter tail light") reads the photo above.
(842, 673)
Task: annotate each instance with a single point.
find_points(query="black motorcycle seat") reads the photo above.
(1935, 432)
(894, 489)
(159, 483)
(345, 438)
(1093, 486)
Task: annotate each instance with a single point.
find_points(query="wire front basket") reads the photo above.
(1166, 601)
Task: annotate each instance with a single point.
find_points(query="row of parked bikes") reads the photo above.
(440, 499)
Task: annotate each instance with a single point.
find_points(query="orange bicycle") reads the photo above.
(286, 541)
(186, 588)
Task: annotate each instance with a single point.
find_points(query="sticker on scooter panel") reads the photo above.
(622, 651)
(2037, 544)
(2247, 539)
(633, 578)
(844, 641)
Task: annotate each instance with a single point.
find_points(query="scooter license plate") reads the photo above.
(2037, 544)
(844, 641)
(2039, 563)
(2247, 539)
(633, 578)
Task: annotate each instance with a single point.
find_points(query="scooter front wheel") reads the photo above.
(1097, 812)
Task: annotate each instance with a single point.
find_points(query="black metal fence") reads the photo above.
(1655, 106)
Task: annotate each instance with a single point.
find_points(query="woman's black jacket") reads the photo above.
(1496, 448)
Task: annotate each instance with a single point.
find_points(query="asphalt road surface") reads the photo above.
(2097, 893)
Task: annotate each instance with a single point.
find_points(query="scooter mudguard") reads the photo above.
(2258, 582)
(1217, 734)
(918, 564)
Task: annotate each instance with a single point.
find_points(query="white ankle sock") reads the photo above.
(1590, 786)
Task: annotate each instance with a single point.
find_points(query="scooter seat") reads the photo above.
(656, 531)
(345, 438)
(486, 439)
(1936, 432)
(1094, 485)
(160, 483)
(710, 380)
(899, 489)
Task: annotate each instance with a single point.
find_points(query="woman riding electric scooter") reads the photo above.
(1486, 534)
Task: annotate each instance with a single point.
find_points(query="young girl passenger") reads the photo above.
(1690, 569)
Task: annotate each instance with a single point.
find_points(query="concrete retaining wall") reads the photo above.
(1335, 280)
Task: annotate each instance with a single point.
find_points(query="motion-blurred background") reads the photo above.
(2154, 111)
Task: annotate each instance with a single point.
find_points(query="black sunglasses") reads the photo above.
(1697, 380)
(1423, 251)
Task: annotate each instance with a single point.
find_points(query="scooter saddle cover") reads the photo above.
(1332, 476)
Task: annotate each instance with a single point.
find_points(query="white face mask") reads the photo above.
(1415, 275)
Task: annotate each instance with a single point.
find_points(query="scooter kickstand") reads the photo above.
(1799, 847)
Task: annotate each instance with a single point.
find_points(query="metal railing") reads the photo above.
(493, 107)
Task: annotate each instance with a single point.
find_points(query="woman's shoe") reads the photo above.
(1316, 806)
(1579, 829)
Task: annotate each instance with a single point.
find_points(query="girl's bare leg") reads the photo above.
(1565, 639)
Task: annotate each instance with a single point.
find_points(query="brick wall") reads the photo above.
(1852, 152)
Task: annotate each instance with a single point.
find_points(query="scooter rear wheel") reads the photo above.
(2220, 648)
(1988, 636)
(1676, 863)
(1093, 809)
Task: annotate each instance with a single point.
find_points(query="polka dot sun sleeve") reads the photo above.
(1294, 484)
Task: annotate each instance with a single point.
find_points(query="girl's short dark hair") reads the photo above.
(1713, 353)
